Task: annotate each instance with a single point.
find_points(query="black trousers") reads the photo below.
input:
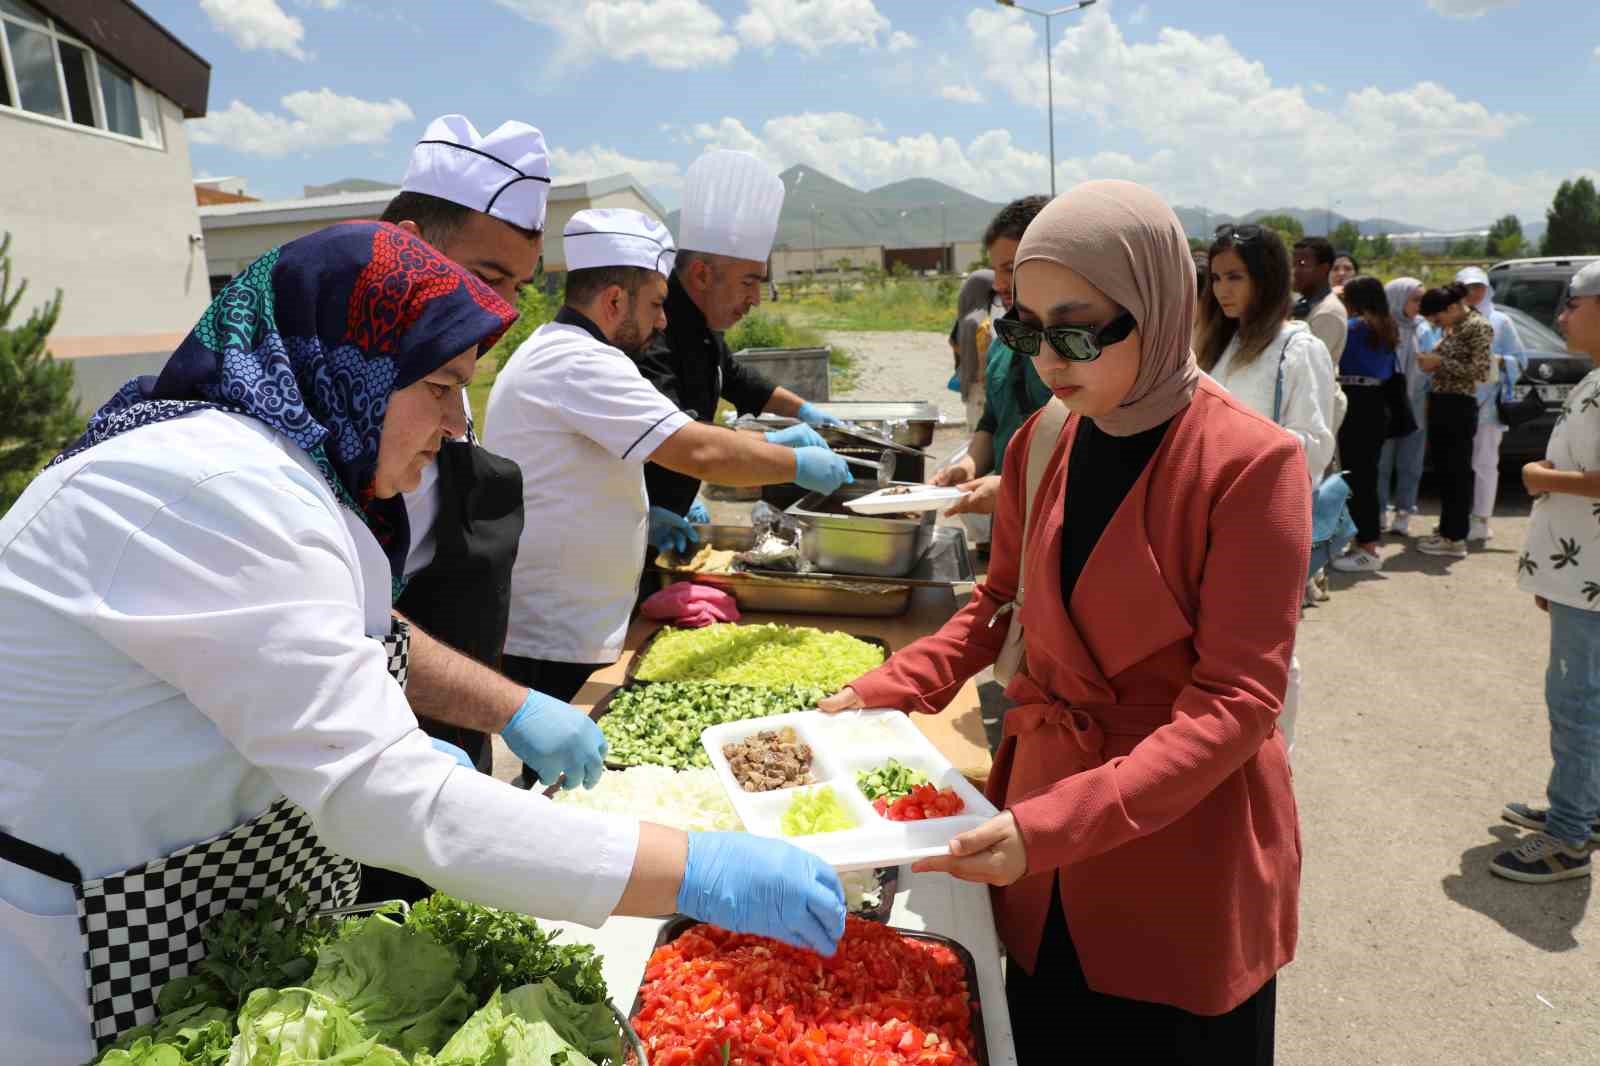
(557, 680)
(1361, 438)
(1452, 424)
(1058, 1020)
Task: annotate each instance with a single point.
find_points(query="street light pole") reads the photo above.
(1049, 75)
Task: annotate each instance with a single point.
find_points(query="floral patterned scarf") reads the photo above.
(312, 339)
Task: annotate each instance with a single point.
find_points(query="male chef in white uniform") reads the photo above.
(573, 410)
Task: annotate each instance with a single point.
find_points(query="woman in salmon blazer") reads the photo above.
(1146, 860)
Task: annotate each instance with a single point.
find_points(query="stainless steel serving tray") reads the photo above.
(906, 422)
(946, 563)
(782, 592)
(835, 541)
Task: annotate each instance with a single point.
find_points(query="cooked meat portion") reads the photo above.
(771, 759)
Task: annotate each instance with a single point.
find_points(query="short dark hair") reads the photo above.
(584, 285)
(1354, 262)
(1012, 220)
(1437, 299)
(438, 219)
(1365, 299)
(1320, 247)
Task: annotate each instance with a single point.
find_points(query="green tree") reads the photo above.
(1573, 220)
(1505, 237)
(1345, 236)
(38, 412)
(1382, 247)
(1468, 248)
(1287, 225)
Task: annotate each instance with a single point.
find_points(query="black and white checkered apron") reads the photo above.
(143, 927)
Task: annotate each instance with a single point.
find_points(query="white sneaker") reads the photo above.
(1401, 525)
(1451, 549)
(1386, 520)
(1358, 561)
(1480, 530)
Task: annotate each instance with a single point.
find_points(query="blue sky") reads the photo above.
(1439, 112)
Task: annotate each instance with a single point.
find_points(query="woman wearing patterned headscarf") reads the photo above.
(1146, 862)
(195, 623)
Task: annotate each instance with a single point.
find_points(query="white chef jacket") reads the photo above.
(1307, 406)
(185, 613)
(580, 420)
(422, 508)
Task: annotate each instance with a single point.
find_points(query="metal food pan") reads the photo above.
(908, 422)
(791, 594)
(836, 541)
(676, 927)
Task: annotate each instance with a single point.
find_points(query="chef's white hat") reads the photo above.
(505, 174)
(1586, 282)
(731, 202)
(1472, 276)
(617, 236)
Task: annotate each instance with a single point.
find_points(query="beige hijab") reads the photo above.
(1126, 241)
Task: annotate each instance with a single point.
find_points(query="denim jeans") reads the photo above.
(1400, 463)
(1572, 691)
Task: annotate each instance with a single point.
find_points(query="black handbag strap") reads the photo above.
(55, 866)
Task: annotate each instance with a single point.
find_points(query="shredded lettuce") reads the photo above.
(762, 655)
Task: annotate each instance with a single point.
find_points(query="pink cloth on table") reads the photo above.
(690, 605)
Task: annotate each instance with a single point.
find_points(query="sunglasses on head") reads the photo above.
(1077, 344)
(1240, 234)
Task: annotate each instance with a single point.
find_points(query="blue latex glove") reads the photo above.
(750, 884)
(454, 752)
(698, 514)
(800, 436)
(555, 739)
(812, 415)
(819, 470)
(670, 531)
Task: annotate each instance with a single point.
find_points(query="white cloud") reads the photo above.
(668, 34)
(315, 120)
(1140, 16)
(901, 41)
(1468, 9)
(596, 162)
(254, 24)
(325, 5)
(812, 25)
(1597, 51)
(961, 94)
(1319, 88)
(1247, 141)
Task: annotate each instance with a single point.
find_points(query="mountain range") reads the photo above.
(820, 211)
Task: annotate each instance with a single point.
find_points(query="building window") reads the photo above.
(45, 71)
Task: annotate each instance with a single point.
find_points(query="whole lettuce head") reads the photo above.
(397, 984)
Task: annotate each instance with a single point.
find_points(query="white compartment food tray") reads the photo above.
(920, 498)
(840, 746)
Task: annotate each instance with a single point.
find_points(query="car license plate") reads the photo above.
(1547, 393)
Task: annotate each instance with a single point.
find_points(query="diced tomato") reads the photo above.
(882, 1000)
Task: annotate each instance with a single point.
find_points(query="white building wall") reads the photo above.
(108, 222)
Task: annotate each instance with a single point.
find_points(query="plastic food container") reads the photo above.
(840, 747)
(838, 541)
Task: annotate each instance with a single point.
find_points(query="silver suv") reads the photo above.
(1537, 286)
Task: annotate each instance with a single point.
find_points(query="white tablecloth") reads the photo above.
(932, 903)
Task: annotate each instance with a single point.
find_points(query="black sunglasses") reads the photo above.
(1242, 234)
(1077, 344)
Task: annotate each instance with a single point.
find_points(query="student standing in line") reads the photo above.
(1244, 340)
(1459, 363)
(1400, 464)
(1561, 568)
(1368, 362)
